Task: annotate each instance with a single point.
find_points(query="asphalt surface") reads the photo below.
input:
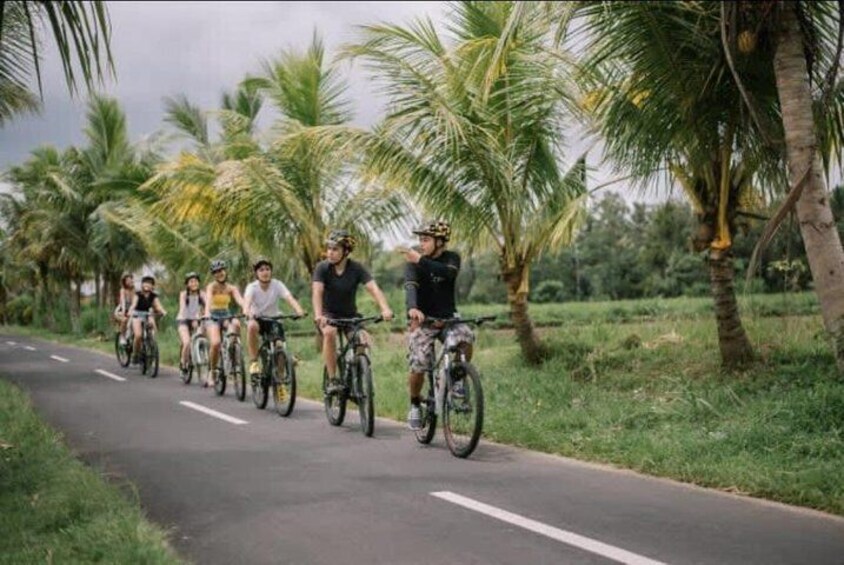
(297, 490)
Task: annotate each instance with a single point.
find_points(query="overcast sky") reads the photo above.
(199, 49)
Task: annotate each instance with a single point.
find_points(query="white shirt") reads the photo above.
(265, 302)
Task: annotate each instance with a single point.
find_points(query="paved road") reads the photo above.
(296, 490)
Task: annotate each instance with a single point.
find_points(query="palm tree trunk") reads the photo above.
(732, 339)
(817, 226)
(74, 289)
(517, 294)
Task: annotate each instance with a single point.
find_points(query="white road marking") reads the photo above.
(570, 538)
(29, 348)
(210, 412)
(57, 358)
(110, 375)
(11, 343)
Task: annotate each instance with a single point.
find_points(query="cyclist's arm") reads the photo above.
(132, 307)
(239, 299)
(156, 304)
(446, 270)
(295, 304)
(181, 314)
(373, 289)
(317, 290)
(208, 294)
(411, 286)
(247, 303)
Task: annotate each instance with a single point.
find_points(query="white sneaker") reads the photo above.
(414, 418)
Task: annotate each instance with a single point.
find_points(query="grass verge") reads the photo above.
(55, 509)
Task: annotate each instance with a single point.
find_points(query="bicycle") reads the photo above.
(148, 355)
(356, 375)
(463, 414)
(198, 358)
(231, 361)
(278, 369)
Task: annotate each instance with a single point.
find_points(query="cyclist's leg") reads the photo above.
(213, 328)
(137, 331)
(253, 331)
(465, 338)
(329, 350)
(420, 342)
(184, 338)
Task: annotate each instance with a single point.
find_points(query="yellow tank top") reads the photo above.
(220, 301)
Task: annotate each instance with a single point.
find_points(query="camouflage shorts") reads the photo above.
(420, 343)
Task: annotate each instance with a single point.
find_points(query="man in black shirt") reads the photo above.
(430, 277)
(334, 287)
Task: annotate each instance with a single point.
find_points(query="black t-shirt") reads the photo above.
(338, 297)
(145, 302)
(429, 284)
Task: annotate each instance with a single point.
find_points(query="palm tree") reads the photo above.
(81, 32)
(280, 198)
(473, 132)
(660, 94)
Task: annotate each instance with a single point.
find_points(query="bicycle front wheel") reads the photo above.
(121, 350)
(335, 403)
(220, 376)
(238, 371)
(200, 360)
(463, 414)
(284, 383)
(366, 396)
(260, 384)
(144, 357)
(425, 434)
(152, 355)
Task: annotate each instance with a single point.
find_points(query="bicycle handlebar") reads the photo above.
(350, 322)
(280, 317)
(477, 321)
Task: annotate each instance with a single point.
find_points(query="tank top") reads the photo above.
(193, 306)
(220, 300)
(145, 302)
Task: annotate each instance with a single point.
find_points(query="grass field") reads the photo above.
(638, 384)
(54, 509)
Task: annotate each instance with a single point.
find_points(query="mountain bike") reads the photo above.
(278, 369)
(198, 358)
(148, 355)
(455, 393)
(231, 363)
(355, 372)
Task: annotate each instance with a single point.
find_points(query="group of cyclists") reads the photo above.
(430, 274)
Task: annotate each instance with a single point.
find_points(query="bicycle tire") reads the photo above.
(426, 433)
(284, 380)
(153, 358)
(238, 371)
(462, 436)
(366, 396)
(220, 376)
(124, 356)
(187, 376)
(200, 364)
(144, 359)
(335, 403)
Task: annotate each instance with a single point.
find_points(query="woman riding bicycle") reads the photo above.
(124, 302)
(191, 308)
(145, 300)
(220, 295)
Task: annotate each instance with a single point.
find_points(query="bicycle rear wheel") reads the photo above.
(425, 434)
(463, 417)
(121, 350)
(335, 403)
(366, 396)
(238, 371)
(284, 383)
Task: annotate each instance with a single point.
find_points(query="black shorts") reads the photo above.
(270, 327)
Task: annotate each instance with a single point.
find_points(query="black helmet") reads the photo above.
(435, 228)
(343, 238)
(218, 265)
(261, 261)
(148, 278)
(191, 275)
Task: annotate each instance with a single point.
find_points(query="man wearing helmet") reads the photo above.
(334, 288)
(430, 276)
(146, 300)
(262, 296)
(220, 295)
(191, 307)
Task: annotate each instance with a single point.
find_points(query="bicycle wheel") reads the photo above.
(284, 383)
(144, 357)
(121, 350)
(238, 372)
(199, 362)
(335, 403)
(220, 376)
(366, 396)
(429, 415)
(463, 417)
(152, 355)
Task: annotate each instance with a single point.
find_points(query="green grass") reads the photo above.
(55, 509)
(644, 390)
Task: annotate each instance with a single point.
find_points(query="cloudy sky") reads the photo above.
(200, 49)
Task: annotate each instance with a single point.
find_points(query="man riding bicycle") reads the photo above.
(262, 296)
(145, 300)
(219, 297)
(334, 289)
(430, 276)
